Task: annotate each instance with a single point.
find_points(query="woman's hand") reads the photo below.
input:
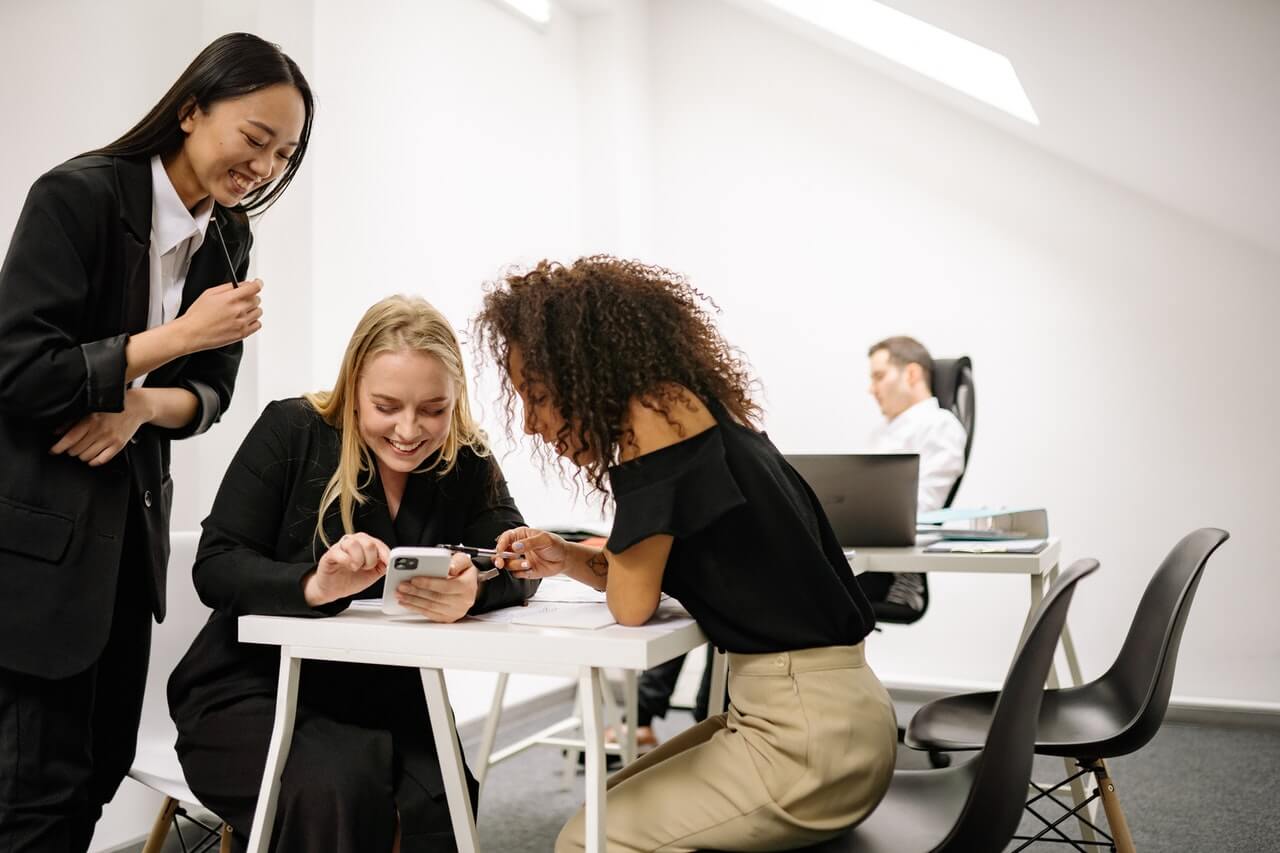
(443, 599)
(222, 315)
(99, 436)
(543, 554)
(350, 565)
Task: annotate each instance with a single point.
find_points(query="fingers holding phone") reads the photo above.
(430, 582)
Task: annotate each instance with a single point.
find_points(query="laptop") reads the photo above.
(870, 498)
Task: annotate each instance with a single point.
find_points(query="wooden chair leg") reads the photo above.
(160, 829)
(1111, 805)
(224, 846)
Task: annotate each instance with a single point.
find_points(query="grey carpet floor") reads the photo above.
(1193, 788)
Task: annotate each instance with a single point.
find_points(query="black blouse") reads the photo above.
(754, 560)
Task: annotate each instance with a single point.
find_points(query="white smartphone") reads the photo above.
(409, 563)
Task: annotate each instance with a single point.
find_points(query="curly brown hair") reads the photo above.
(601, 332)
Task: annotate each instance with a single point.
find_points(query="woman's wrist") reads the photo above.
(311, 590)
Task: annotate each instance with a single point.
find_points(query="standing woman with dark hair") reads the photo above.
(122, 311)
(622, 373)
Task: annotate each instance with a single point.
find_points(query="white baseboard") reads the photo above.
(1182, 709)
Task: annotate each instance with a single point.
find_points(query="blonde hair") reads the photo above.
(395, 324)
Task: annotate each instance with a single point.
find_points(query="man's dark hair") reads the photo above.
(902, 351)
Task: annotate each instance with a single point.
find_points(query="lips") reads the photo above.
(405, 449)
(239, 182)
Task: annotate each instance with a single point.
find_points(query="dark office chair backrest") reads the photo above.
(1002, 771)
(953, 386)
(1142, 675)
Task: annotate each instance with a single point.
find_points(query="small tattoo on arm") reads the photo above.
(599, 564)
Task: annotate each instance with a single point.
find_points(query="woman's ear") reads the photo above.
(187, 113)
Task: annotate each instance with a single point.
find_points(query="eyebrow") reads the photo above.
(389, 399)
(266, 128)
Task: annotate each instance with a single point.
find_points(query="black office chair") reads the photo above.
(1114, 715)
(977, 805)
(953, 386)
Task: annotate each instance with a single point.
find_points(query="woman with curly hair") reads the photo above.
(622, 373)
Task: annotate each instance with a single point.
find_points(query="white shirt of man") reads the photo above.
(176, 235)
(938, 436)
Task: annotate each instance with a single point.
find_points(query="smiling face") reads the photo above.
(404, 407)
(541, 418)
(239, 145)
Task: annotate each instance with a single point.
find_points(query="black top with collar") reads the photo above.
(754, 559)
(259, 542)
(74, 286)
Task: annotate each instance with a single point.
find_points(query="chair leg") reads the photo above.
(160, 829)
(1111, 805)
(224, 846)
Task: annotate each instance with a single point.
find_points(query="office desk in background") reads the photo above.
(363, 635)
(1041, 570)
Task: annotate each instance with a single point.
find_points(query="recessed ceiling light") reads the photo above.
(942, 56)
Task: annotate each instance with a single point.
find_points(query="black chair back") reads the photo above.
(1002, 771)
(953, 386)
(1142, 675)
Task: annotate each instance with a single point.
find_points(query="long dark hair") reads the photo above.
(599, 332)
(233, 65)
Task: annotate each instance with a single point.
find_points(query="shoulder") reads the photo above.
(665, 417)
(78, 186)
(290, 420)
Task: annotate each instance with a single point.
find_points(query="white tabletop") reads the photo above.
(916, 559)
(365, 634)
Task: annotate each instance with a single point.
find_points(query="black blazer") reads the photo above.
(259, 542)
(75, 284)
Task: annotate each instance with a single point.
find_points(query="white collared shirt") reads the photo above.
(176, 235)
(938, 436)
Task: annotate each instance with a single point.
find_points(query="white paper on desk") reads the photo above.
(575, 615)
(1007, 546)
(562, 589)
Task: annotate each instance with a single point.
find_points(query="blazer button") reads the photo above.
(133, 439)
(146, 499)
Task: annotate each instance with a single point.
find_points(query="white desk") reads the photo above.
(362, 635)
(1041, 569)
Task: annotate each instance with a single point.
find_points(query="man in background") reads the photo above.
(902, 383)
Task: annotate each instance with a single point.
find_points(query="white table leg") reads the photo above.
(491, 728)
(452, 768)
(589, 695)
(719, 676)
(277, 753)
(630, 695)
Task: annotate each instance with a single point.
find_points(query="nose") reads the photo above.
(261, 166)
(407, 427)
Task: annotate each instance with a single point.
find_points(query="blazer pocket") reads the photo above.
(34, 531)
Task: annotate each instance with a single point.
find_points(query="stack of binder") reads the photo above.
(985, 530)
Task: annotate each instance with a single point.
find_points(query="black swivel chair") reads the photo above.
(1114, 715)
(977, 805)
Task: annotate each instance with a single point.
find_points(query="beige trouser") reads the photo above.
(806, 749)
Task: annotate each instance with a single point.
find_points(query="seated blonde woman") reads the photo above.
(322, 487)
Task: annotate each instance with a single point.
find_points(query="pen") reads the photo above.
(218, 227)
(489, 553)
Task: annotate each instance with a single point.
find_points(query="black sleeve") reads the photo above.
(46, 373)
(236, 571)
(678, 490)
(491, 511)
(211, 374)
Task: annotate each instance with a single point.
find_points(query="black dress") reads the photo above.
(362, 749)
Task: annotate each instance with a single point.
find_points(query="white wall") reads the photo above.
(1122, 352)
(1119, 347)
